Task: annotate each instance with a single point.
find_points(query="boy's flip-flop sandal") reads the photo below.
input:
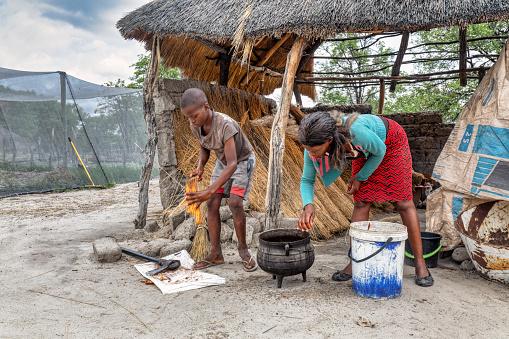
(251, 259)
(208, 264)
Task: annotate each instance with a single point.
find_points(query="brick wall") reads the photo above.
(427, 135)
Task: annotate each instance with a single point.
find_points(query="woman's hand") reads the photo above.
(306, 219)
(353, 186)
(198, 172)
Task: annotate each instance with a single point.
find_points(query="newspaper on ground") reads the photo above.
(183, 279)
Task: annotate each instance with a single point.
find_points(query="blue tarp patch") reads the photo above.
(465, 141)
(457, 204)
(489, 94)
(492, 141)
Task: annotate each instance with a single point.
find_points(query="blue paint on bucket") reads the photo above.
(380, 281)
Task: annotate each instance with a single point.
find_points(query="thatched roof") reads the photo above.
(222, 20)
(263, 22)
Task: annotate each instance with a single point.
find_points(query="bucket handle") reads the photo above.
(371, 255)
(426, 256)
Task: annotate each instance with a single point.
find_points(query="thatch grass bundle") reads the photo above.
(201, 245)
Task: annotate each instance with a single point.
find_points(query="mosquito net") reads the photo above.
(54, 128)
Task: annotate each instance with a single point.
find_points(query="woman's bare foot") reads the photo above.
(421, 270)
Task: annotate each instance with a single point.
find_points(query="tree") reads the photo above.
(446, 96)
(354, 92)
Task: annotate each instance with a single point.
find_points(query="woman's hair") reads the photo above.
(318, 128)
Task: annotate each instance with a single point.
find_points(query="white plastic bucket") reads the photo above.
(377, 253)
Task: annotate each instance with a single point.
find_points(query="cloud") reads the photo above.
(78, 37)
(82, 14)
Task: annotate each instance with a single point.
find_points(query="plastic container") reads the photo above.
(431, 245)
(377, 255)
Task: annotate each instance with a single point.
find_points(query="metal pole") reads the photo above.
(63, 99)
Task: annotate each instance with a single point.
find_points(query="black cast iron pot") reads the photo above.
(285, 252)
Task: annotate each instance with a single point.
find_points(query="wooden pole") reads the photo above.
(463, 56)
(399, 59)
(303, 61)
(381, 98)
(150, 147)
(296, 93)
(277, 138)
(481, 74)
(224, 68)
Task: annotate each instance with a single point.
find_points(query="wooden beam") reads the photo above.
(224, 68)
(235, 59)
(150, 146)
(377, 77)
(381, 98)
(277, 138)
(399, 59)
(463, 56)
(266, 58)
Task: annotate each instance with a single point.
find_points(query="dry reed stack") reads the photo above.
(334, 207)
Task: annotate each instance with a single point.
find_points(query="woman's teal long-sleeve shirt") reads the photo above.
(368, 136)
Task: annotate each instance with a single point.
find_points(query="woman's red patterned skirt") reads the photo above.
(392, 180)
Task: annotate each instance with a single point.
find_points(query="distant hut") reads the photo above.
(260, 45)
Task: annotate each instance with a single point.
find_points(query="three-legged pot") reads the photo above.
(285, 252)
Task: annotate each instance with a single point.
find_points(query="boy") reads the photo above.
(232, 174)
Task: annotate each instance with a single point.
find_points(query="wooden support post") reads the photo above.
(224, 68)
(150, 147)
(463, 56)
(296, 93)
(277, 138)
(399, 59)
(303, 61)
(481, 74)
(381, 98)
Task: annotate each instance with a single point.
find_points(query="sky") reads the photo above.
(75, 36)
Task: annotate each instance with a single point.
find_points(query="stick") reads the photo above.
(128, 310)
(113, 301)
(38, 275)
(268, 329)
(56, 296)
(82, 164)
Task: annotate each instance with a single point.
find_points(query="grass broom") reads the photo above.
(201, 244)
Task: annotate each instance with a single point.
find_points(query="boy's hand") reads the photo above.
(198, 197)
(198, 173)
(306, 219)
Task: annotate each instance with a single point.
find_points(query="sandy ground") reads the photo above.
(52, 287)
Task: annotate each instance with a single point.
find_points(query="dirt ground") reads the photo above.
(53, 288)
